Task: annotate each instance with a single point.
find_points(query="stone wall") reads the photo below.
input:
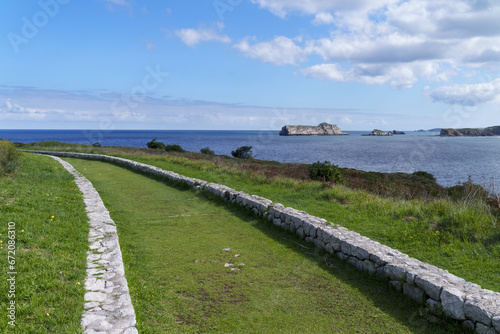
(477, 308)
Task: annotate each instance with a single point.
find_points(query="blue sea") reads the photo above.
(450, 159)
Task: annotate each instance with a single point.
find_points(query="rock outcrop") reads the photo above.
(490, 131)
(378, 132)
(396, 132)
(323, 129)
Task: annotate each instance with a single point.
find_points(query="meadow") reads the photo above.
(199, 293)
(453, 228)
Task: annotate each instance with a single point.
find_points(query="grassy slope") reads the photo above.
(52, 231)
(431, 231)
(462, 237)
(172, 242)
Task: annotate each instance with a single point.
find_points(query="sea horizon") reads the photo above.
(452, 160)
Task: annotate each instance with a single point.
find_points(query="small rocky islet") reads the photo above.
(378, 132)
(323, 129)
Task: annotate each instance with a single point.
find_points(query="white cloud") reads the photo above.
(323, 18)
(399, 76)
(192, 37)
(10, 110)
(284, 7)
(105, 110)
(280, 51)
(467, 95)
(388, 41)
(118, 2)
(331, 72)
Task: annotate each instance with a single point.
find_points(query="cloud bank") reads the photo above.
(387, 41)
(467, 95)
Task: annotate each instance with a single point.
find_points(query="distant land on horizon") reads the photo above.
(471, 132)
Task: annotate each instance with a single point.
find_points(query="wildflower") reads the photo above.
(48, 314)
(52, 217)
(22, 230)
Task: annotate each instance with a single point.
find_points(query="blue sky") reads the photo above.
(249, 64)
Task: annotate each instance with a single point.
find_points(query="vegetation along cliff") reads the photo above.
(490, 131)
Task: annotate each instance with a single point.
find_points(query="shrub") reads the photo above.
(96, 144)
(156, 145)
(9, 157)
(468, 192)
(243, 152)
(208, 151)
(425, 175)
(325, 171)
(174, 148)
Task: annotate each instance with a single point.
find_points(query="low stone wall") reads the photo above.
(477, 308)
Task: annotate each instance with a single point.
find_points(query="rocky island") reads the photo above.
(467, 132)
(323, 129)
(396, 132)
(378, 132)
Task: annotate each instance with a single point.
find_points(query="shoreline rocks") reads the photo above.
(323, 129)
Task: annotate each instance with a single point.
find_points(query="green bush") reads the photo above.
(174, 148)
(96, 144)
(207, 150)
(156, 145)
(425, 175)
(468, 192)
(243, 152)
(325, 171)
(9, 157)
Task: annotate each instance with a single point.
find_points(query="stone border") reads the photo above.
(108, 306)
(477, 308)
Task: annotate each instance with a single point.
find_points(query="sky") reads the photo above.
(249, 64)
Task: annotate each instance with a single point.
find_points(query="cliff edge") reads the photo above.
(490, 131)
(323, 129)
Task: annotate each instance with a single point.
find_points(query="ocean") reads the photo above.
(450, 159)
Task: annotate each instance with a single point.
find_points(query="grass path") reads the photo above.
(196, 266)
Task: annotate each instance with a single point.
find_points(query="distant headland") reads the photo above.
(467, 132)
(323, 129)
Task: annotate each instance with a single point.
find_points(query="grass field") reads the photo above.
(50, 234)
(460, 234)
(197, 265)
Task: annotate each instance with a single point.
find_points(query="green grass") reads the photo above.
(459, 235)
(173, 242)
(51, 229)
(462, 237)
